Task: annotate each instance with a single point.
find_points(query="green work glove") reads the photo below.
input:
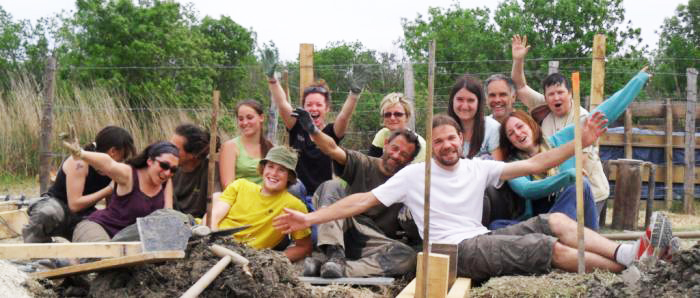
(269, 59)
(357, 76)
(304, 118)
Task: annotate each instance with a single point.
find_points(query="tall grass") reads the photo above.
(89, 110)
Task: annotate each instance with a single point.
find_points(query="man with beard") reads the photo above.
(365, 244)
(534, 246)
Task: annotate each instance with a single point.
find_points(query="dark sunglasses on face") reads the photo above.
(395, 114)
(315, 89)
(166, 166)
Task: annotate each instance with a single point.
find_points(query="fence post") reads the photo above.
(306, 67)
(669, 154)
(598, 76)
(553, 67)
(409, 92)
(272, 119)
(689, 187)
(46, 126)
(628, 133)
(213, 156)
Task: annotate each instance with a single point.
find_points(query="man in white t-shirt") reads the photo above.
(533, 246)
(559, 113)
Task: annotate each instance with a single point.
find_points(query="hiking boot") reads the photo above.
(656, 240)
(333, 268)
(312, 266)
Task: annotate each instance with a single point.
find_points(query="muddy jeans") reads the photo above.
(49, 217)
(523, 248)
(369, 251)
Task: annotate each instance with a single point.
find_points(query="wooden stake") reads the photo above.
(669, 154)
(628, 133)
(306, 67)
(428, 154)
(212, 154)
(598, 75)
(575, 80)
(689, 185)
(46, 126)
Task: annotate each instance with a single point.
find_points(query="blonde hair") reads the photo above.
(394, 98)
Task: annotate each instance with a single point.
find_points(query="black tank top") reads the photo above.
(93, 182)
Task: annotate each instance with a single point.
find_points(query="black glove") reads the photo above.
(304, 118)
(269, 58)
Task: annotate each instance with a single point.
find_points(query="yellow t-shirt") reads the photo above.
(250, 207)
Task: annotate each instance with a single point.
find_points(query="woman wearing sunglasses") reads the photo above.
(78, 187)
(395, 110)
(314, 167)
(466, 106)
(143, 185)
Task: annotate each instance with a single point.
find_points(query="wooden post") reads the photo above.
(669, 154)
(272, 120)
(306, 67)
(553, 67)
(46, 126)
(423, 284)
(651, 193)
(628, 133)
(598, 68)
(628, 188)
(689, 187)
(409, 92)
(575, 80)
(212, 154)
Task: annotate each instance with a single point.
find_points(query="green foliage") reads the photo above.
(678, 48)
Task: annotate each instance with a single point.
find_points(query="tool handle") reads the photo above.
(206, 279)
(222, 251)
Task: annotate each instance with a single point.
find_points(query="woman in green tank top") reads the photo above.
(240, 156)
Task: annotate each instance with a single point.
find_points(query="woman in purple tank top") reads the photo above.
(143, 185)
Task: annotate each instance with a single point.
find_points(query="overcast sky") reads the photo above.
(375, 23)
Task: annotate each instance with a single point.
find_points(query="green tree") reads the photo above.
(10, 47)
(678, 49)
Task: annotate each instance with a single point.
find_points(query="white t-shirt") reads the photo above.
(491, 137)
(456, 197)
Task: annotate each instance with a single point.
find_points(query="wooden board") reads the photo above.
(23, 251)
(460, 289)
(651, 141)
(365, 281)
(128, 261)
(8, 206)
(657, 109)
(677, 174)
(306, 68)
(12, 222)
(438, 275)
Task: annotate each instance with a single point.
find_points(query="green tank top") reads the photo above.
(246, 166)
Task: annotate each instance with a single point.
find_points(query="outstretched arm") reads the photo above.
(280, 99)
(351, 205)
(527, 95)
(536, 189)
(594, 128)
(323, 141)
(341, 122)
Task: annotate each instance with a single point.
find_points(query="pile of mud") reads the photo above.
(678, 278)
(272, 276)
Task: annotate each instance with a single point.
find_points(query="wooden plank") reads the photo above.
(578, 151)
(628, 133)
(362, 281)
(409, 291)
(8, 206)
(450, 250)
(128, 261)
(677, 172)
(423, 287)
(598, 71)
(461, 288)
(690, 142)
(668, 152)
(437, 277)
(647, 141)
(651, 191)
(23, 251)
(306, 67)
(635, 235)
(657, 109)
(13, 221)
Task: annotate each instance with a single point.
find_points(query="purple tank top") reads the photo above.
(123, 210)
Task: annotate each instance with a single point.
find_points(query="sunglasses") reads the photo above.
(395, 114)
(166, 166)
(315, 89)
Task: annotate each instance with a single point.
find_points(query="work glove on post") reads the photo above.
(269, 59)
(357, 76)
(304, 118)
(70, 142)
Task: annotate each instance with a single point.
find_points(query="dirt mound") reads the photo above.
(273, 276)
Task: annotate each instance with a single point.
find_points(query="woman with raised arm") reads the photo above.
(466, 106)
(395, 110)
(78, 187)
(141, 186)
(314, 167)
(240, 156)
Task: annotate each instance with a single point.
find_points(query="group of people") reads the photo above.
(502, 185)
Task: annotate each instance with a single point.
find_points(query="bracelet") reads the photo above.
(272, 81)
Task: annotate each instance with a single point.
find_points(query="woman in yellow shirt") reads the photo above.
(246, 203)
